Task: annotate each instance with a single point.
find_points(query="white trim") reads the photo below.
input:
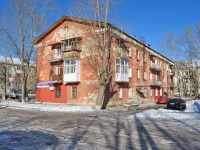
(38, 45)
(46, 86)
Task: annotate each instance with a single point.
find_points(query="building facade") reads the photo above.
(187, 78)
(13, 75)
(139, 73)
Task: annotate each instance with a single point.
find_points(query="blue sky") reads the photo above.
(152, 19)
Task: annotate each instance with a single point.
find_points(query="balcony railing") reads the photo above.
(155, 82)
(55, 57)
(155, 66)
(122, 77)
(76, 47)
(53, 76)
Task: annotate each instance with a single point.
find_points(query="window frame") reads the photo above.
(119, 92)
(58, 92)
(76, 92)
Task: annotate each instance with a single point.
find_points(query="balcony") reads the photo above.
(58, 77)
(75, 47)
(122, 53)
(155, 66)
(55, 58)
(70, 54)
(122, 77)
(155, 82)
(72, 71)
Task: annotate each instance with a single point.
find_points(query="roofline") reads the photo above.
(80, 20)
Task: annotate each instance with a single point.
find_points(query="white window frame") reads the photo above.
(130, 93)
(156, 91)
(58, 51)
(129, 52)
(119, 92)
(57, 70)
(151, 92)
(150, 76)
(130, 72)
(137, 55)
(70, 66)
(145, 75)
(123, 66)
(138, 74)
(160, 91)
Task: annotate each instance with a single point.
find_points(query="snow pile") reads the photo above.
(44, 107)
(192, 111)
(193, 106)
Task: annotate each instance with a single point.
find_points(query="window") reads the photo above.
(156, 92)
(145, 92)
(18, 68)
(129, 52)
(70, 66)
(58, 50)
(58, 92)
(122, 66)
(151, 92)
(160, 91)
(119, 92)
(70, 42)
(138, 73)
(130, 72)
(150, 76)
(144, 58)
(130, 93)
(137, 54)
(145, 76)
(74, 92)
(57, 70)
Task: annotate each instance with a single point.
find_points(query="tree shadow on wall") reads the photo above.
(108, 95)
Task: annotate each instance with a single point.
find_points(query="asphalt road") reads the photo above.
(97, 130)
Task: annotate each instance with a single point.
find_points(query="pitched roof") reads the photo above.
(87, 21)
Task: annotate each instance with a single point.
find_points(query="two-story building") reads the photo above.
(139, 72)
(13, 74)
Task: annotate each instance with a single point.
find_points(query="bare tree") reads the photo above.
(22, 22)
(98, 57)
(185, 52)
(3, 80)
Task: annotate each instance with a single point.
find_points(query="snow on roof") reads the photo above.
(16, 61)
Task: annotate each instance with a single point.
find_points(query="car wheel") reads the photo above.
(181, 108)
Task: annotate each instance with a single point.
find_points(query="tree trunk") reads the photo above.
(23, 92)
(100, 97)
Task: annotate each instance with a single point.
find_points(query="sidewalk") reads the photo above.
(31, 105)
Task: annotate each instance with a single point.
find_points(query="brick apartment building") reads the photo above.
(140, 73)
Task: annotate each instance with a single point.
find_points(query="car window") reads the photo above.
(173, 100)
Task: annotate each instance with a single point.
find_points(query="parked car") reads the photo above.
(162, 100)
(176, 103)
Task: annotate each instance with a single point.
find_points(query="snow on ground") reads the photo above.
(192, 111)
(44, 106)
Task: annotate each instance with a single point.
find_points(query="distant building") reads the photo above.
(139, 73)
(187, 78)
(13, 78)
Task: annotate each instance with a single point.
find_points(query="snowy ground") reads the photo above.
(150, 129)
(44, 107)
